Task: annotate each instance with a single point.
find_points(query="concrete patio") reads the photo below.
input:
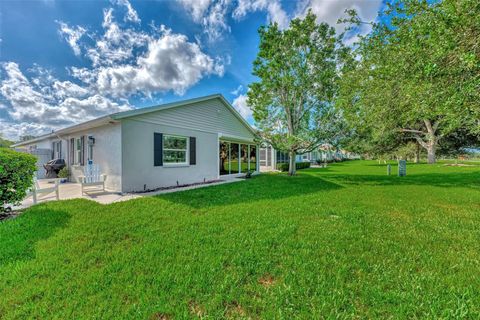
(71, 190)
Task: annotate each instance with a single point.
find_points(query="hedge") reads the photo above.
(298, 166)
(16, 176)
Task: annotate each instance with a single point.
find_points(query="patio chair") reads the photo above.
(92, 177)
(37, 190)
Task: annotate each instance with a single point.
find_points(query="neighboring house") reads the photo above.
(269, 157)
(177, 143)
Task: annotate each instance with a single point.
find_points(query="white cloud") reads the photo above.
(196, 8)
(50, 105)
(237, 91)
(212, 15)
(170, 62)
(72, 35)
(240, 104)
(272, 7)
(12, 130)
(330, 11)
(131, 15)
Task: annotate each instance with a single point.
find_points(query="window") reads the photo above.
(57, 150)
(253, 158)
(72, 151)
(175, 149)
(79, 151)
(237, 158)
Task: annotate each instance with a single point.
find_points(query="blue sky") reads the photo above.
(65, 62)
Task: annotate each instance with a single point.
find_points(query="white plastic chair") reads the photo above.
(37, 190)
(92, 177)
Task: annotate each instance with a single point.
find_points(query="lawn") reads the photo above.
(344, 242)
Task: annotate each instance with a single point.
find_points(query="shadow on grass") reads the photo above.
(18, 236)
(262, 187)
(445, 180)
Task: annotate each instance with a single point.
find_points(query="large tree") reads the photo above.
(418, 72)
(297, 72)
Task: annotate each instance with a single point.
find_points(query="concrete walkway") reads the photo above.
(72, 190)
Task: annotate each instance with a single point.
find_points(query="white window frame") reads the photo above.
(78, 152)
(187, 151)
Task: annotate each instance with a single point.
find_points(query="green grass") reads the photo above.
(342, 242)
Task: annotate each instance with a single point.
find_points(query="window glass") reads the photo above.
(224, 157)
(253, 158)
(234, 157)
(244, 158)
(174, 149)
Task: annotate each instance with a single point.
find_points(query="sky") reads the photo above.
(63, 62)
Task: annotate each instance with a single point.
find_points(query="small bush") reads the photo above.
(298, 166)
(16, 176)
(63, 173)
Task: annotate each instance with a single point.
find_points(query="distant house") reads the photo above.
(183, 142)
(269, 157)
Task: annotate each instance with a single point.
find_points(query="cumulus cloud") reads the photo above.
(240, 104)
(213, 15)
(72, 35)
(272, 7)
(330, 11)
(171, 62)
(45, 106)
(125, 61)
(12, 130)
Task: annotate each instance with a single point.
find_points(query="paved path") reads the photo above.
(71, 190)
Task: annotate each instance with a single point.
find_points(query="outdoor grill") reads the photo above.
(53, 167)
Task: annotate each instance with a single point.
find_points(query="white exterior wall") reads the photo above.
(107, 152)
(206, 121)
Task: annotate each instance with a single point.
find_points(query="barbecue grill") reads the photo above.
(53, 167)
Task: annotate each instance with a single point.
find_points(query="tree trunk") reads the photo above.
(431, 148)
(291, 164)
(417, 153)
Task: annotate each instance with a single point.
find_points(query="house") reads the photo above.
(172, 144)
(269, 157)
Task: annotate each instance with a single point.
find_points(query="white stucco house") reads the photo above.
(183, 142)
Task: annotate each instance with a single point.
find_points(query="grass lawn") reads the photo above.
(346, 241)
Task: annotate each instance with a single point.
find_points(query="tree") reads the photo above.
(418, 72)
(4, 143)
(297, 71)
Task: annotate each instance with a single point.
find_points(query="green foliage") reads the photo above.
(417, 73)
(16, 176)
(4, 143)
(298, 165)
(64, 173)
(342, 242)
(297, 71)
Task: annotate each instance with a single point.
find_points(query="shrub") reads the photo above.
(16, 176)
(63, 173)
(298, 166)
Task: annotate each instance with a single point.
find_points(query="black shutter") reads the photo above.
(82, 150)
(157, 149)
(193, 150)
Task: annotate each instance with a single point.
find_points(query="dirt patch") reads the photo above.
(196, 309)
(160, 316)
(459, 165)
(267, 281)
(233, 310)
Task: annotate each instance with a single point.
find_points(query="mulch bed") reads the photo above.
(180, 186)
